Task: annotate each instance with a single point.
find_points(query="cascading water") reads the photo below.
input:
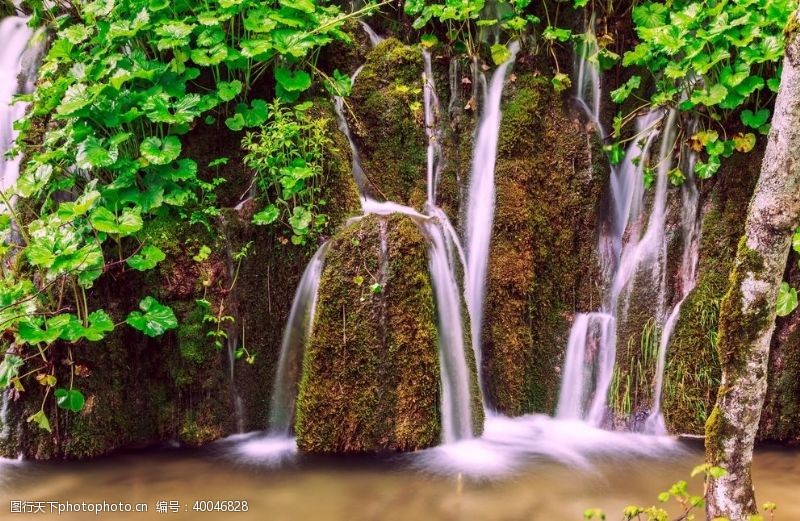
(480, 203)
(627, 247)
(432, 129)
(624, 251)
(690, 235)
(443, 254)
(587, 87)
(233, 340)
(295, 337)
(17, 72)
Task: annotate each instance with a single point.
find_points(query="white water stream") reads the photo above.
(481, 203)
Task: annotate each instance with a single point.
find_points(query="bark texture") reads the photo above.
(747, 313)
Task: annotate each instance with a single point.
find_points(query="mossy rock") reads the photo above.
(692, 366)
(371, 377)
(386, 117)
(550, 175)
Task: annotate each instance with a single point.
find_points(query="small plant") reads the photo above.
(287, 155)
(679, 493)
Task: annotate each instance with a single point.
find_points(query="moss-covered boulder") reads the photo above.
(550, 176)
(385, 112)
(371, 376)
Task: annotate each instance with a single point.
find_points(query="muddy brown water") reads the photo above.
(362, 489)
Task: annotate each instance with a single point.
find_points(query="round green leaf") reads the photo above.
(70, 399)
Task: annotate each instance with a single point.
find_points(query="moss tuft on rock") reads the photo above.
(692, 367)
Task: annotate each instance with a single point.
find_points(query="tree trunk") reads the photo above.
(747, 312)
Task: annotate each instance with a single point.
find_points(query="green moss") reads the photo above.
(385, 112)
(692, 367)
(371, 378)
(549, 176)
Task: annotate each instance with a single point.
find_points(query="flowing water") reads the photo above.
(330, 489)
(17, 70)
(690, 236)
(295, 337)
(444, 253)
(588, 90)
(632, 250)
(481, 202)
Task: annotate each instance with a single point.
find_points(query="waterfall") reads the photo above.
(432, 130)
(588, 91)
(295, 337)
(690, 235)
(362, 183)
(233, 342)
(374, 38)
(624, 251)
(480, 204)
(17, 69)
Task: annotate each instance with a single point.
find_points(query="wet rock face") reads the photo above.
(550, 176)
(371, 379)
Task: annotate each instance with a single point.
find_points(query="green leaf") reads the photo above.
(428, 40)
(615, 153)
(500, 53)
(235, 122)
(711, 96)
(99, 321)
(202, 254)
(787, 300)
(339, 84)
(296, 81)
(749, 85)
(228, 90)
(266, 216)
(9, 369)
(75, 98)
(555, 34)
(307, 6)
(33, 179)
(650, 15)
(706, 170)
(300, 220)
(754, 120)
(129, 221)
(621, 94)
(160, 152)
(155, 320)
(40, 419)
(796, 240)
(69, 399)
(92, 153)
(147, 258)
(560, 82)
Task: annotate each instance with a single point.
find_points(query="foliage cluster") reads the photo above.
(718, 61)
(287, 158)
(122, 83)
